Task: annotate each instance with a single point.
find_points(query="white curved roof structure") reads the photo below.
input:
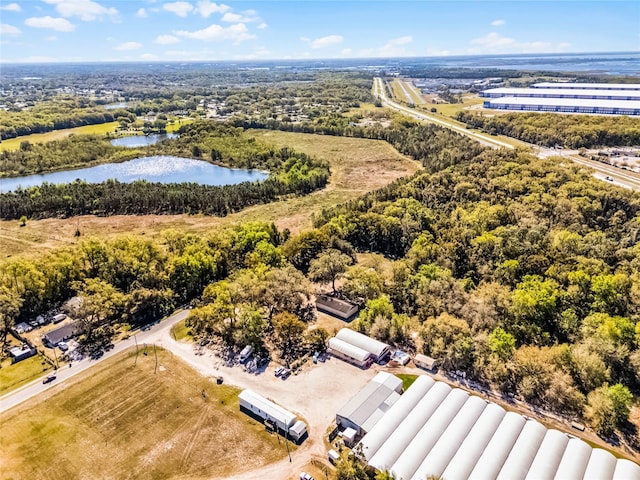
(371, 345)
(348, 349)
(575, 460)
(410, 426)
(626, 470)
(475, 443)
(434, 430)
(423, 442)
(390, 422)
(548, 456)
(447, 445)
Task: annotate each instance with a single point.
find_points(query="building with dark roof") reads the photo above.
(61, 334)
(334, 306)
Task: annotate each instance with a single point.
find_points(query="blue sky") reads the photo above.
(155, 30)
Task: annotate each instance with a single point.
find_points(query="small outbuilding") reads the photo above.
(336, 307)
(21, 353)
(425, 362)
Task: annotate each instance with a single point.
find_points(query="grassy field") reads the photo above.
(15, 375)
(357, 166)
(407, 379)
(123, 421)
(180, 331)
(451, 109)
(101, 129)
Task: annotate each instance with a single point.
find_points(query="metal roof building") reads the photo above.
(596, 86)
(348, 352)
(448, 433)
(566, 105)
(562, 93)
(363, 411)
(377, 349)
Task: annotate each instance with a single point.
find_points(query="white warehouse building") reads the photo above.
(565, 105)
(589, 86)
(377, 349)
(269, 412)
(593, 94)
(436, 430)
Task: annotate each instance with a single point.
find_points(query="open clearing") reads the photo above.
(15, 375)
(120, 420)
(357, 166)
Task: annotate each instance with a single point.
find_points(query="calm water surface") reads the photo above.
(160, 169)
(134, 141)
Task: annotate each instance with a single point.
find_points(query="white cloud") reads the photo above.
(237, 18)
(205, 8)
(57, 24)
(182, 9)
(126, 46)
(142, 13)
(346, 51)
(11, 7)
(262, 26)
(9, 30)
(213, 33)
(148, 56)
(86, 10)
(435, 52)
(495, 43)
(395, 47)
(498, 23)
(323, 42)
(166, 40)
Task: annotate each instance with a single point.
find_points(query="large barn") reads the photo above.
(377, 349)
(437, 430)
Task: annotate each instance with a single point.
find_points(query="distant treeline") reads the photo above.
(550, 129)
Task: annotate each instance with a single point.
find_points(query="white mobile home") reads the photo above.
(268, 411)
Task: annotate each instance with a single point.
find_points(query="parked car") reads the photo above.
(285, 374)
(279, 371)
(305, 476)
(63, 346)
(49, 379)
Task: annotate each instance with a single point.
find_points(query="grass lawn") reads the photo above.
(451, 109)
(100, 129)
(123, 421)
(357, 166)
(181, 332)
(15, 375)
(407, 379)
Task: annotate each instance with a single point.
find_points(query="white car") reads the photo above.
(279, 371)
(305, 476)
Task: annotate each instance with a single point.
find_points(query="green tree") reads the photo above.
(608, 407)
(288, 333)
(329, 266)
(10, 303)
(317, 339)
(502, 344)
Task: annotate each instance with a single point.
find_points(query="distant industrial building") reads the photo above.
(585, 98)
(593, 94)
(590, 86)
(272, 414)
(436, 430)
(565, 105)
(366, 408)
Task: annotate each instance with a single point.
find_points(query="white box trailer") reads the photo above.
(272, 413)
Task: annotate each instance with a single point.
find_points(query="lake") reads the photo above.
(135, 141)
(157, 169)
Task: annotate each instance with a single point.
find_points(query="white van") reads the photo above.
(246, 353)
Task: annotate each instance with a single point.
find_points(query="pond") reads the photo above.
(157, 169)
(134, 141)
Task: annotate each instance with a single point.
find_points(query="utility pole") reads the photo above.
(156, 355)
(286, 438)
(55, 356)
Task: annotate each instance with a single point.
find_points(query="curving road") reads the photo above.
(65, 374)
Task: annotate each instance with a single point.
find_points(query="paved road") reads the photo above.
(616, 176)
(63, 375)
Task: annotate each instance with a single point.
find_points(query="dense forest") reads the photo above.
(550, 129)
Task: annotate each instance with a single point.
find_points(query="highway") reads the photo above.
(604, 172)
(65, 374)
